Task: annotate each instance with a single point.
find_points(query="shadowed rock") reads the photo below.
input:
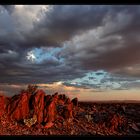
(68, 108)
(118, 123)
(75, 101)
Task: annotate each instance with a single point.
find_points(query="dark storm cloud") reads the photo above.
(37, 73)
(115, 45)
(90, 38)
(9, 8)
(114, 59)
(63, 22)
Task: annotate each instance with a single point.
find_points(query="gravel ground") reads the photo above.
(79, 126)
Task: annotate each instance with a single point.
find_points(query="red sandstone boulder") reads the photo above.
(47, 101)
(61, 102)
(51, 111)
(2, 104)
(68, 109)
(38, 105)
(75, 101)
(62, 97)
(118, 123)
(18, 107)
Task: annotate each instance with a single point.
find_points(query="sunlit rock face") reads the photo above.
(3, 101)
(51, 111)
(38, 104)
(34, 106)
(18, 107)
(33, 109)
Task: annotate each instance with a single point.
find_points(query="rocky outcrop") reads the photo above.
(33, 110)
(68, 109)
(37, 105)
(18, 107)
(75, 101)
(34, 106)
(3, 101)
(62, 99)
(118, 123)
(51, 111)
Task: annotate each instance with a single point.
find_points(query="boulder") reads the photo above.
(2, 104)
(51, 112)
(75, 101)
(68, 110)
(47, 100)
(18, 107)
(38, 105)
(62, 97)
(118, 123)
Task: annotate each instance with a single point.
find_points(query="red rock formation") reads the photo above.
(47, 101)
(32, 102)
(38, 105)
(68, 108)
(75, 101)
(51, 112)
(18, 107)
(2, 104)
(118, 123)
(62, 99)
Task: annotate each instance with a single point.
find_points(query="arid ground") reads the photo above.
(32, 112)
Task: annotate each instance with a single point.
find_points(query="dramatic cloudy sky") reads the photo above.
(88, 51)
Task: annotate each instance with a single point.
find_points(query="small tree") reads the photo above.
(32, 89)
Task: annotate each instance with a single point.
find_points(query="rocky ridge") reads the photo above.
(33, 112)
